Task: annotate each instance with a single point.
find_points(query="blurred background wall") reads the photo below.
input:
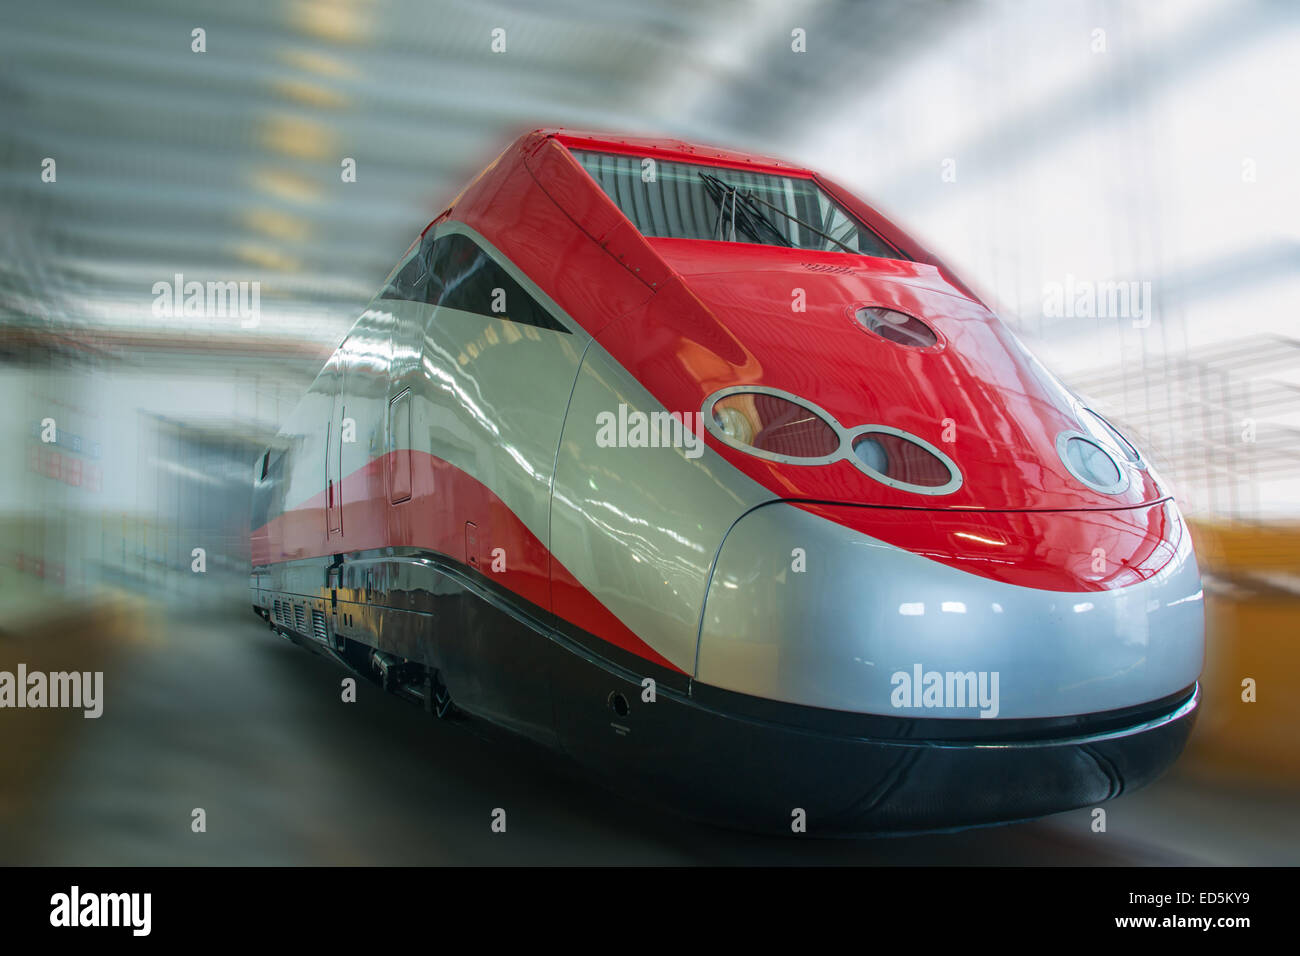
(1146, 151)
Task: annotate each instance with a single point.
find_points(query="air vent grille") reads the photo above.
(318, 626)
(827, 267)
(300, 617)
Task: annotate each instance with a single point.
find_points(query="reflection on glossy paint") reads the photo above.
(1192, 598)
(980, 538)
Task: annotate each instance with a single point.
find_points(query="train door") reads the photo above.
(406, 301)
(406, 306)
(399, 448)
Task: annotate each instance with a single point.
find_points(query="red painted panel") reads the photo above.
(515, 214)
(583, 610)
(981, 398)
(1052, 551)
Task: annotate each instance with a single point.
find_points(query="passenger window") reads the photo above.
(462, 276)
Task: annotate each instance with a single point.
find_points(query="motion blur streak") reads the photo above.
(1116, 178)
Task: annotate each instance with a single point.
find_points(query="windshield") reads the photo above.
(689, 201)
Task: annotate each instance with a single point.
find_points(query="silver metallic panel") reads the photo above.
(491, 401)
(639, 527)
(490, 394)
(839, 633)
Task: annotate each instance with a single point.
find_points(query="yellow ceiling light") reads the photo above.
(309, 94)
(297, 136)
(340, 21)
(286, 185)
(277, 225)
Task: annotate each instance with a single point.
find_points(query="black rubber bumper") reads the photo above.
(756, 770)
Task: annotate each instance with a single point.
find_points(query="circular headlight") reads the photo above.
(897, 327)
(772, 425)
(1090, 462)
(872, 453)
(735, 424)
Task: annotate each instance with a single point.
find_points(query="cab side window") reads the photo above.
(462, 276)
(410, 281)
(270, 473)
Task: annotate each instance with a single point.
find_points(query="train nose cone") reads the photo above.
(806, 608)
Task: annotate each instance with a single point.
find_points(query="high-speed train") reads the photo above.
(693, 466)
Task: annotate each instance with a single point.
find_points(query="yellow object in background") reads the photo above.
(1252, 583)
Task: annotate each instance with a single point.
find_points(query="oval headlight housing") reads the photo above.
(904, 461)
(772, 425)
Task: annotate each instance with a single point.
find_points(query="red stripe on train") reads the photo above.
(443, 499)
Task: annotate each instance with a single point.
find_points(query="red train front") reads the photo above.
(692, 465)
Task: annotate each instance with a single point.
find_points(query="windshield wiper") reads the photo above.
(718, 193)
(749, 196)
(752, 212)
(751, 219)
